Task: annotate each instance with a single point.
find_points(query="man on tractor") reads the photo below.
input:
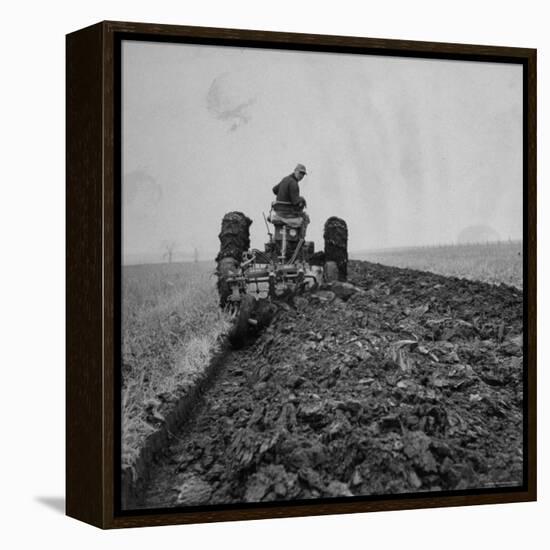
(289, 203)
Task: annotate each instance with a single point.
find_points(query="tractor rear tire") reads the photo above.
(234, 240)
(336, 245)
(241, 329)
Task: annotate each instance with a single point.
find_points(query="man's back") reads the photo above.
(288, 190)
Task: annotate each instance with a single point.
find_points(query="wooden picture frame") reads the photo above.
(93, 170)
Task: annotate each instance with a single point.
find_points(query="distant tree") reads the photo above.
(169, 248)
(196, 255)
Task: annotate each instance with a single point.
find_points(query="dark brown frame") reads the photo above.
(93, 246)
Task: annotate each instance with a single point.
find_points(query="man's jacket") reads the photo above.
(288, 191)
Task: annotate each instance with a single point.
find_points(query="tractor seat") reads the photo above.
(284, 213)
(291, 221)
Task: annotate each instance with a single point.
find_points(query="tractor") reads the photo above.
(251, 281)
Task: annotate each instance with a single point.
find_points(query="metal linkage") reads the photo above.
(296, 251)
(283, 245)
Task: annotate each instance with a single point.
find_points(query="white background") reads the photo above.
(33, 252)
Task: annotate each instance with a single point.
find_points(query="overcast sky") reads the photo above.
(407, 151)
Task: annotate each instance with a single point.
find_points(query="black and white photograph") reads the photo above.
(322, 276)
(272, 275)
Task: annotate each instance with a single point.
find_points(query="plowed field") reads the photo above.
(407, 382)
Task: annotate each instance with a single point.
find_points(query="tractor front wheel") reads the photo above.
(330, 272)
(336, 246)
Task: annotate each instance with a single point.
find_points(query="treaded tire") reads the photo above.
(336, 245)
(234, 240)
(234, 236)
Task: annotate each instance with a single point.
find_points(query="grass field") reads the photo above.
(500, 262)
(171, 322)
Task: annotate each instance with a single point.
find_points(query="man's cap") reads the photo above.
(301, 168)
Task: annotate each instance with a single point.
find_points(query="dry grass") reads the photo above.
(171, 323)
(491, 262)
